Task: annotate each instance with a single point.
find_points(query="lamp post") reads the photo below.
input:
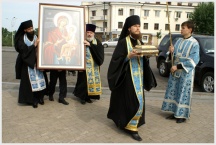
(104, 36)
(13, 20)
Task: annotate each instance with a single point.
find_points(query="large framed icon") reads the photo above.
(61, 34)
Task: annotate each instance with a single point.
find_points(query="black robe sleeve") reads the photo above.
(118, 67)
(27, 53)
(97, 52)
(148, 78)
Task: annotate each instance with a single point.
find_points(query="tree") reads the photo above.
(203, 18)
(158, 36)
(6, 37)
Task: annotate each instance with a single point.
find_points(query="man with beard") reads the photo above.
(128, 75)
(32, 83)
(88, 84)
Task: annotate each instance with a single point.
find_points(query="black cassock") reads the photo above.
(80, 91)
(26, 58)
(123, 102)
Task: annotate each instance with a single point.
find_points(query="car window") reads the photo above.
(164, 41)
(207, 44)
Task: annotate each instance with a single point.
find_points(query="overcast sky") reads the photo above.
(16, 11)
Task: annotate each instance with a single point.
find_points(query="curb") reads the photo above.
(12, 50)
(153, 93)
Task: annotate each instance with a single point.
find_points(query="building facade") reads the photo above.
(109, 17)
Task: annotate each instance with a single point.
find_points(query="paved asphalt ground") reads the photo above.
(76, 123)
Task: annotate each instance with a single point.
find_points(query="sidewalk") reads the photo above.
(77, 123)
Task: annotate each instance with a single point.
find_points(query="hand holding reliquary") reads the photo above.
(146, 50)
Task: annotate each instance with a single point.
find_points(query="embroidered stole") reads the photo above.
(136, 68)
(92, 73)
(36, 76)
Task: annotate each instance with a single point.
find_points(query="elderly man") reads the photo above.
(128, 75)
(88, 84)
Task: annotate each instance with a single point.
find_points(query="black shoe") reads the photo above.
(83, 102)
(35, 105)
(63, 101)
(136, 136)
(171, 117)
(41, 101)
(180, 120)
(51, 98)
(89, 101)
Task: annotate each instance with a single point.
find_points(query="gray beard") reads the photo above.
(90, 39)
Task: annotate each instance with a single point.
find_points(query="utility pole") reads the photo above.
(12, 25)
(13, 20)
(104, 36)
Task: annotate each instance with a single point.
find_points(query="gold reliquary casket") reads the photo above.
(146, 50)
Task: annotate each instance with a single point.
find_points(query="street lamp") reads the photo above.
(104, 36)
(13, 20)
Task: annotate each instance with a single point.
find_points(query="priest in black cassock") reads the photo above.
(32, 81)
(88, 84)
(128, 75)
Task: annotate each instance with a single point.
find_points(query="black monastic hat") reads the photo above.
(90, 27)
(130, 21)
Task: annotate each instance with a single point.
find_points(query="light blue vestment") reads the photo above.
(136, 67)
(36, 76)
(180, 85)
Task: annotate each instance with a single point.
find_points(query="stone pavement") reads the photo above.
(76, 123)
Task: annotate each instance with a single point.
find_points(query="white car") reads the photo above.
(110, 42)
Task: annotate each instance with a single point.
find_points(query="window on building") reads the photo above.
(157, 2)
(146, 13)
(105, 12)
(189, 4)
(166, 26)
(105, 24)
(120, 12)
(188, 15)
(157, 13)
(156, 26)
(120, 25)
(177, 27)
(179, 3)
(178, 15)
(169, 3)
(131, 12)
(145, 26)
(169, 14)
(93, 13)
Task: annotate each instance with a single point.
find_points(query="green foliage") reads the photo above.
(6, 37)
(158, 35)
(203, 18)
